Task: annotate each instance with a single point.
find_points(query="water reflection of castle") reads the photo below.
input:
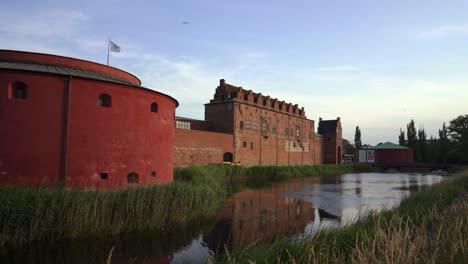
(260, 216)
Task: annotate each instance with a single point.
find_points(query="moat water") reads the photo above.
(297, 208)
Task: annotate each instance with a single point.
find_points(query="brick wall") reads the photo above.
(319, 147)
(193, 147)
(333, 142)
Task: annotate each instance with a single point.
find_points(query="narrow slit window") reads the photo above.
(104, 175)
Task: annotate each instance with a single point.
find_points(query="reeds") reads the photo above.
(36, 214)
(429, 227)
(28, 214)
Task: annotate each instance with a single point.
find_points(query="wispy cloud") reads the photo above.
(444, 31)
(339, 68)
(360, 94)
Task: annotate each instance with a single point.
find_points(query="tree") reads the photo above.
(458, 131)
(348, 146)
(422, 155)
(401, 138)
(433, 151)
(443, 144)
(357, 138)
(411, 135)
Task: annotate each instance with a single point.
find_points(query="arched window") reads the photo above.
(132, 178)
(19, 90)
(154, 107)
(227, 157)
(105, 100)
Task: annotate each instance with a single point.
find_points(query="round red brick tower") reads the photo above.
(81, 123)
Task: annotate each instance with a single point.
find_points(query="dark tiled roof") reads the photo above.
(59, 70)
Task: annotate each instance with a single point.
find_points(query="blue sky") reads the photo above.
(376, 64)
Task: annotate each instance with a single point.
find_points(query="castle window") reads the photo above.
(104, 100)
(265, 127)
(132, 178)
(246, 98)
(264, 102)
(183, 125)
(241, 124)
(294, 144)
(228, 157)
(104, 175)
(247, 125)
(273, 129)
(256, 100)
(255, 125)
(244, 144)
(251, 145)
(19, 90)
(153, 174)
(286, 131)
(154, 107)
(298, 133)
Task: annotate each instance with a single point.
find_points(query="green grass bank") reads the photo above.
(31, 214)
(429, 227)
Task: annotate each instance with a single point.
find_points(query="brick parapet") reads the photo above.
(226, 92)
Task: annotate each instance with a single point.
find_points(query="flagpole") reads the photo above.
(108, 52)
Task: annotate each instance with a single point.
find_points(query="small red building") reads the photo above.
(81, 123)
(389, 153)
(386, 153)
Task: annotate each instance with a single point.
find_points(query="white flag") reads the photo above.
(114, 47)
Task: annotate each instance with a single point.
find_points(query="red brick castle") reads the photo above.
(251, 129)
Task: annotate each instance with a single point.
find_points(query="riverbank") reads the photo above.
(428, 227)
(36, 214)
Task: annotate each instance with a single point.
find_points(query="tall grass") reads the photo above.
(428, 227)
(39, 213)
(28, 214)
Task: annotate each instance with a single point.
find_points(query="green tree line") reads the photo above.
(451, 145)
